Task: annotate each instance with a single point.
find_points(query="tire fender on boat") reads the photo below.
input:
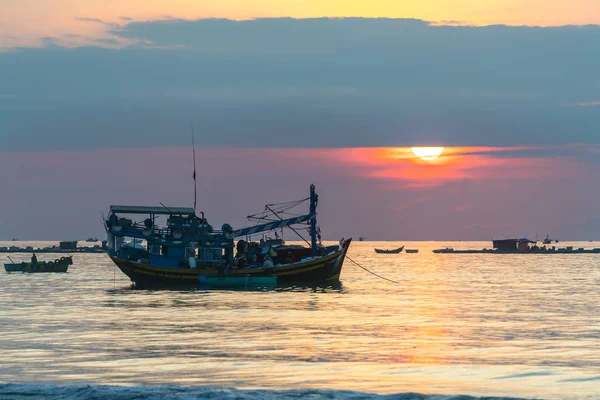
(177, 234)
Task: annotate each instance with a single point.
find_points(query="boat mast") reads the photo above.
(194, 154)
(313, 221)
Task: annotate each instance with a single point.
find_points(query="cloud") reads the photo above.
(589, 104)
(235, 182)
(108, 41)
(48, 41)
(90, 20)
(282, 82)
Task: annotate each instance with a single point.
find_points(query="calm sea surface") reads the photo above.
(476, 324)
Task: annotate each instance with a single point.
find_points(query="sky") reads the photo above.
(97, 99)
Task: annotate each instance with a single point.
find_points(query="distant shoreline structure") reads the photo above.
(62, 248)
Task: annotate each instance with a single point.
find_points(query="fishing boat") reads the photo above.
(411, 251)
(187, 246)
(58, 265)
(393, 251)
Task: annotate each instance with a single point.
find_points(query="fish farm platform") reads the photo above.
(532, 252)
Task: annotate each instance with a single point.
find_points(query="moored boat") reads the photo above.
(392, 251)
(58, 265)
(188, 247)
(411, 251)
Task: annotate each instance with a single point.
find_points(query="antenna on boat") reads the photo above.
(165, 207)
(194, 154)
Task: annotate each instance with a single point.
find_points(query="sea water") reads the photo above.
(453, 324)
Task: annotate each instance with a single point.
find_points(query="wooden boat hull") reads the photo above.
(58, 265)
(394, 251)
(409, 251)
(232, 282)
(319, 269)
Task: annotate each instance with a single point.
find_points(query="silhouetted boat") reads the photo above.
(58, 265)
(393, 251)
(276, 241)
(411, 251)
(520, 246)
(188, 247)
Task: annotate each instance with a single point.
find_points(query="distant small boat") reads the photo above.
(393, 251)
(92, 239)
(58, 265)
(274, 242)
(446, 250)
(412, 250)
(236, 281)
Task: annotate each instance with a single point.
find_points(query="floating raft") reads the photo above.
(533, 252)
(229, 282)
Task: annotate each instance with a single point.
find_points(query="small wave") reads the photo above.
(12, 391)
(590, 379)
(524, 375)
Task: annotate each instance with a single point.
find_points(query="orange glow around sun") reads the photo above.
(419, 167)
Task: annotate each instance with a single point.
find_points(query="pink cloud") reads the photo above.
(375, 192)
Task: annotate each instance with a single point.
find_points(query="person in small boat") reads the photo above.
(34, 259)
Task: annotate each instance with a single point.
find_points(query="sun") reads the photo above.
(427, 153)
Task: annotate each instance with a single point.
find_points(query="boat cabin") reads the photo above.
(175, 237)
(513, 244)
(182, 239)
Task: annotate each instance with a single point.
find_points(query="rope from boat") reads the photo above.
(373, 273)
